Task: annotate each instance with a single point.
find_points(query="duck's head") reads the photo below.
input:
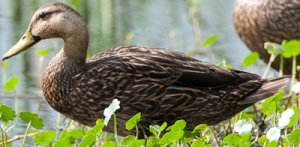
(54, 20)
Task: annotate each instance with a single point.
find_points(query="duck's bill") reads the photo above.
(24, 43)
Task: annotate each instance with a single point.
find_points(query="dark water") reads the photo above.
(155, 23)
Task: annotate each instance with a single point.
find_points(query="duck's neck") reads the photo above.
(75, 46)
(69, 62)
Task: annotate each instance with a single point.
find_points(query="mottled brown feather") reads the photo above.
(260, 21)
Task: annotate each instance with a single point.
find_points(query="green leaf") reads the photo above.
(262, 140)
(6, 113)
(270, 105)
(170, 137)
(11, 84)
(152, 142)
(127, 140)
(132, 122)
(224, 64)
(44, 138)
(250, 59)
(4, 64)
(210, 40)
(138, 142)
(61, 143)
(76, 134)
(163, 126)
(42, 52)
(200, 128)
(97, 129)
(109, 144)
(36, 121)
(190, 53)
(247, 115)
(285, 142)
(90, 136)
(245, 140)
(154, 129)
(177, 126)
(187, 137)
(198, 143)
(88, 140)
(131, 141)
(291, 48)
(63, 140)
(294, 137)
(63, 134)
(273, 48)
(232, 139)
(278, 96)
(273, 144)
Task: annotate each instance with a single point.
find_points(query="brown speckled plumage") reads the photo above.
(259, 21)
(161, 84)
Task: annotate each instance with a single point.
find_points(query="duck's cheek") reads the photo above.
(41, 29)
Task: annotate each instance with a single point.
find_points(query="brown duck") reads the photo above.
(161, 84)
(259, 21)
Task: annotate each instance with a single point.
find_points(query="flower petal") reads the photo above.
(242, 127)
(282, 122)
(110, 110)
(288, 113)
(296, 87)
(273, 134)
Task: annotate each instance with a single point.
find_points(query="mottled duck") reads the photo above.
(259, 21)
(161, 84)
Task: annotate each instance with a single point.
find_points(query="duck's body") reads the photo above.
(260, 21)
(161, 84)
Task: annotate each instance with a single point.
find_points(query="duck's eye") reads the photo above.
(42, 14)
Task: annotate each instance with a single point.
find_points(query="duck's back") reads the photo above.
(260, 21)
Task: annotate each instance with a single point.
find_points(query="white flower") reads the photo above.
(242, 127)
(284, 119)
(288, 113)
(296, 87)
(282, 122)
(110, 110)
(273, 134)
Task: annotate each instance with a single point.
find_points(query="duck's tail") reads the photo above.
(269, 88)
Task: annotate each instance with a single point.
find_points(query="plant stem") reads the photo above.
(3, 136)
(116, 130)
(58, 120)
(281, 66)
(15, 138)
(272, 57)
(25, 135)
(16, 107)
(193, 11)
(137, 131)
(16, 102)
(214, 137)
(292, 81)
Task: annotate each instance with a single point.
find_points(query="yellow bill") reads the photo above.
(24, 43)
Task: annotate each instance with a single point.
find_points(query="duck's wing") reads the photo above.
(190, 72)
(163, 85)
